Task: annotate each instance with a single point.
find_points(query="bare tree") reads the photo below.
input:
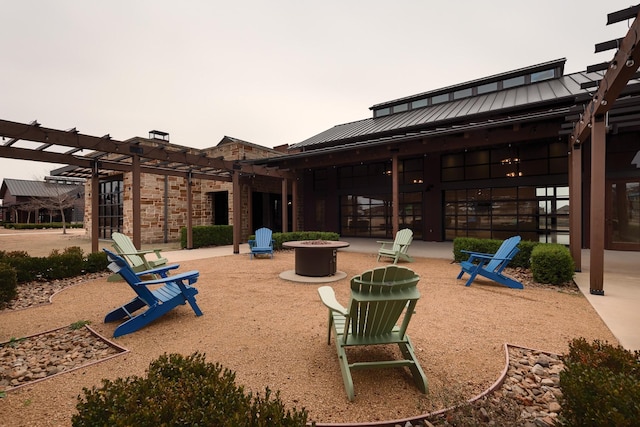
(59, 202)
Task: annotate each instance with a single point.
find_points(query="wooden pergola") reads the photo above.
(135, 156)
(592, 125)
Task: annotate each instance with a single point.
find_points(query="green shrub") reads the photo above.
(208, 235)
(27, 268)
(280, 238)
(42, 225)
(8, 283)
(179, 391)
(600, 385)
(552, 263)
(491, 246)
(95, 262)
(69, 263)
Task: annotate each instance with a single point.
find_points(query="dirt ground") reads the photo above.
(272, 333)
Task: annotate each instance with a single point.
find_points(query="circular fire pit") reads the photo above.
(316, 258)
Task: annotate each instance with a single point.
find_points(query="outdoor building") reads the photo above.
(487, 158)
(164, 198)
(41, 201)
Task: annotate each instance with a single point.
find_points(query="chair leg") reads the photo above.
(346, 371)
(194, 305)
(416, 370)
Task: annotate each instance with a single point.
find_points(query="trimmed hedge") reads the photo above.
(8, 283)
(179, 391)
(58, 265)
(600, 385)
(552, 263)
(41, 225)
(280, 238)
(208, 235)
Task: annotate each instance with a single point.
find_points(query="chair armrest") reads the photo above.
(328, 297)
(158, 270)
(191, 276)
(251, 243)
(157, 251)
(136, 253)
(476, 253)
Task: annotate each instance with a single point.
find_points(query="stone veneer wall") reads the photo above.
(152, 197)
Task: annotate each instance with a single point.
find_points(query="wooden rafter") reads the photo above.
(201, 164)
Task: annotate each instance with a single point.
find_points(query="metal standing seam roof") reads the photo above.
(24, 188)
(565, 88)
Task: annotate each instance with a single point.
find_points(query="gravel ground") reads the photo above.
(273, 333)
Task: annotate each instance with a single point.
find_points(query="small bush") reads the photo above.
(600, 385)
(42, 225)
(208, 235)
(8, 283)
(552, 263)
(69, 263)
(95, 262)
(181, 391)
(280, 238)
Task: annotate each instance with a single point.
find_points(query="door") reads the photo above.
(623, 215)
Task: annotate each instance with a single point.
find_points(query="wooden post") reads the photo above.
(236, 212)
(285, 206)
(135, 200)
(189, 212)
(597, 207)
(395, 197)
(294, 205)
(575, 206)
(95, 207)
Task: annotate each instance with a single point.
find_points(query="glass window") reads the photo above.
(439, 99)
(451, 160)
(478, 172)
(462, 93)
(400, 108)
(420, 103)
(383, 112)
(542, 75)
(477, 157)
(489, 87)
(512, 82)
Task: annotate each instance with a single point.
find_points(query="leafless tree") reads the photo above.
(59, 202)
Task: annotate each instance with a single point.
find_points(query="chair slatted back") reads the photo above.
(124, 245)
(263, 237)
(508, 249)
(378, 299)
(403, 239)
(119, 266)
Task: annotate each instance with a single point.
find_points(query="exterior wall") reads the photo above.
(162, 217)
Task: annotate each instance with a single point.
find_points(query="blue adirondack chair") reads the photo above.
(380, 299)
(262, 244)
(491, 265)
(176, 290)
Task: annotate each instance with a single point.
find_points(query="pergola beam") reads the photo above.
(148, 151)
(621, 69)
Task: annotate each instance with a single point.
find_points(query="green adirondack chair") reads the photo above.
(379, 298)
(398, 248)
(136, 258)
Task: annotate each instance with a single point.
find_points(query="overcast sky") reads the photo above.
(268, 72)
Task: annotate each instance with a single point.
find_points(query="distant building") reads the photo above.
(26, 201)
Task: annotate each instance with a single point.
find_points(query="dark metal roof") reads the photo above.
(25, 188)
(508, 101)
